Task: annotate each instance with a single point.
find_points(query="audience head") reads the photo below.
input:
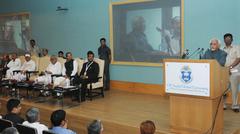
(45, 52)
(228, 38)
(90, 55)
(60, 54)
(14, 106)
(10, 130)
(103, 41)
(53, 59)
(214, 44)
(58, 118)
(147, 127)
(33, 115)
(69, 56)
(95, 127)
(32, 42)
(27, 57)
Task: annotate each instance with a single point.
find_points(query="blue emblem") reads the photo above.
(186, 74)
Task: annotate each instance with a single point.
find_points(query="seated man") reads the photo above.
(28, 65)
(215, 52)
(54, 67)
(33, 118)
(69, 70)
(89, 73)
(59, 123)
(3, 66)
(14, 64)
(95, 127)
(44, 52)
(61, 55)
(14, 109)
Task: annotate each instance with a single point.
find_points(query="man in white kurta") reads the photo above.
(53, 68)
(14, 64)
(28, 65)
(69, 70)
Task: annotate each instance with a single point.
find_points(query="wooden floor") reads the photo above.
(121, 113)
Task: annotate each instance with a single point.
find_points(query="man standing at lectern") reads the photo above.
(232, 62)
(215, 52)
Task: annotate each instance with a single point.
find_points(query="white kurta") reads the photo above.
(62, 81)
(54, 69)
(27, 66)
(13, 65)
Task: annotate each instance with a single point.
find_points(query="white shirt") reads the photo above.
(14, 65)
(174, 42)
(55, 68)
(29, 66)
(75, 68)
(36, 125)
(233, 52)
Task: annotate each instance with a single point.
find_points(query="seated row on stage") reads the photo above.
(65, 73)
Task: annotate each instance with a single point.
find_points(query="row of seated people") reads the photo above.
(58, 120)
(58, 72)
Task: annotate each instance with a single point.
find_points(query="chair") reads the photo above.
(28, 83)
(96, 89)
(22, 129)
(5, 124)
(48, 132)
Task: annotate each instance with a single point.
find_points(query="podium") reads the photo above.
(195, 88)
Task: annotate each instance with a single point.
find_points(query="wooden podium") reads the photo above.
(195, 88)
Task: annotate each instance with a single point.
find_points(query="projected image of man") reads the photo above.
(137, 46)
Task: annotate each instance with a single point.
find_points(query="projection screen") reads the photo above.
(14, 33)
(146, 32)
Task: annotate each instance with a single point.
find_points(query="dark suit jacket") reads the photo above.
(92, 71)
(14, 118)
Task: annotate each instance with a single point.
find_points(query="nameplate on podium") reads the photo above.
(187, 78)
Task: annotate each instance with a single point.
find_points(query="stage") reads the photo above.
(120, 111)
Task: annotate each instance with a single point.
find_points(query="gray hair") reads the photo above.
(215, 39)
(32, 115)
(10, 130)
(95, 127)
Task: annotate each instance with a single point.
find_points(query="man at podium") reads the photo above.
(232, 62)
(215, 52)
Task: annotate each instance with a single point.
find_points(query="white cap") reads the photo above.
(27, 55)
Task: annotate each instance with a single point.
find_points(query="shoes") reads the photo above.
(236, 110)
(224, 107)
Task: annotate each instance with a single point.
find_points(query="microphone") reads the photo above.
(201, 53)
(185, 54)
(194, 52)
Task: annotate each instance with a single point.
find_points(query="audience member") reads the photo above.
(10, 130)
(147, 127)
(33, 118)
(95, 127)
(14, 109)
(59, 122)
